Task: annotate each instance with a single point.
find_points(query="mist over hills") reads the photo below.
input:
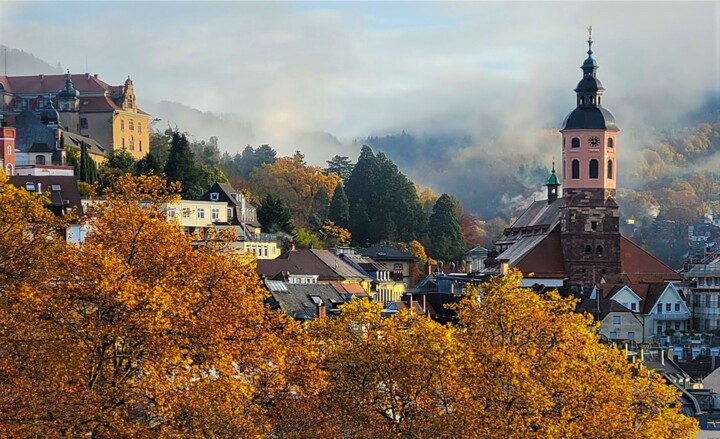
(494, 158)
(20, 63)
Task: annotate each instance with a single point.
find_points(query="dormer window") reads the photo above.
(30, 186)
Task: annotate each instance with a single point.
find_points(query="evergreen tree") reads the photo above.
(274, 216)
(339, 209)
(446, 238)
(341, 166)
(147, 165)
(246, 162)
(160, 147)
(383, 202)
(87, 171)
(180, 164)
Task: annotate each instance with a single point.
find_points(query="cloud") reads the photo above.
(280, 72)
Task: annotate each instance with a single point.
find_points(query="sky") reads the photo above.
(277, 72)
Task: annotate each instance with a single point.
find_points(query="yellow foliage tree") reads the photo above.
(135, 334)
(296, 183)
(534, 368)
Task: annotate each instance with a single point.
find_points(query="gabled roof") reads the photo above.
(606, 306)
(51, 84)
(648, 292)
(638, 263)
(61, 189)
(322, 263)
(299, 300)
(75, 141)
(538, 254)
(386, 252)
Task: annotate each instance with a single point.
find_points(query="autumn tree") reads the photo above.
(392, 377)
(534, 368)
(135, 334)
(297, 183)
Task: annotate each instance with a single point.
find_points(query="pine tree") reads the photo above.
(180, 164)
(274, 216)
(339, 208)
(446, 238)
(87, 169)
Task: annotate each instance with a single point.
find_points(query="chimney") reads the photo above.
(42, 76)
(95, 75)
(320, 311)
(504, 267)
(39, 188)
(87, 75)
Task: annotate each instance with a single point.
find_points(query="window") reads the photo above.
(593, 168)
(9, 150)
(575, 169)
(611, 142)
(613, 335)
(171, 212)
(132, 143)
(599, 250)
(677, 307)
(139, 127)
(610, 169)
(588, 248)
(599, 99)
(40, 160)
(592, 99)
(633, 306)
(677, 326)
(215, 214)
(141, 146)
(659, 329)
(201, 213)
(122, 124)
(707, 300)
(616, 320)
(131, 125)
(582, 100)
(631, 336)
(575, 142)
(659, 308)
(9, 169)
(83, 122)
(398, 272)
(593, 225)
(229, 213)
(30, 186)
(123, 143)
(214, 196)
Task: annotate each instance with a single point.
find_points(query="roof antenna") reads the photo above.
(6, 61)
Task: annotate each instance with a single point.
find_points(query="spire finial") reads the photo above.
(589, 40)
(553, 168)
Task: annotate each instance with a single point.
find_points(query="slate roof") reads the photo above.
(66, 197)
(322, 263)
(73, 140)
(606, 306)
(386, 252)
(535, 246)
(584, 118)
(297, 301)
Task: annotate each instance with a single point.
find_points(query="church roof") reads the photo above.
(587, 118)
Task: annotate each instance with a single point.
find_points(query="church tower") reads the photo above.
(590, 232)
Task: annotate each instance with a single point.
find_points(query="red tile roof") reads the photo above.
(641, 266)
(98, 104)
(546, 259)
(51, 84)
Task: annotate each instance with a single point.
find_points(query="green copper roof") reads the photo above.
(552, 179)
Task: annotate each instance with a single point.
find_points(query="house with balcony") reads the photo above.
(704, 296)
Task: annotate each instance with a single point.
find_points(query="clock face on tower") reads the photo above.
(594, 141)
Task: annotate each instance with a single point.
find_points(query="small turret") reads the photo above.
(552, 186)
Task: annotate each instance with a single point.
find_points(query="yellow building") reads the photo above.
(86, 105)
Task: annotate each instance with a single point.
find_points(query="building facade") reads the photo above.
(86, 105)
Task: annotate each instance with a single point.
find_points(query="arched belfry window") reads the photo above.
(582, 100)
(611, 142)
(588, 248)
(610, 170)
(594, 168)
(599, 250)
(575, 143)
(576, 169)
